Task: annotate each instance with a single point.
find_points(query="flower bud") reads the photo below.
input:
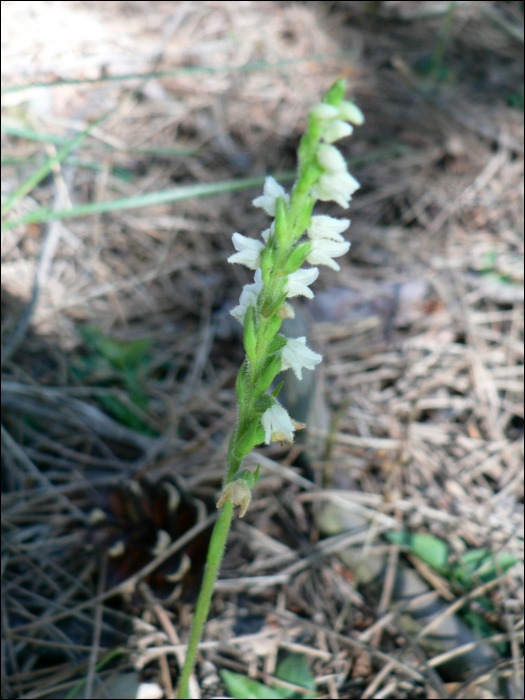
(330, 159)
(323, 111)
(336, 130)
(351, 113)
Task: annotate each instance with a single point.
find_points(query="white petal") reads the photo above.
(327, 227)
(242, 243)
(249, 258)
(337, 188)
(239, 312)
(266, 203)
(326, 192)
(325, 111)
(296, 355)
(351, 113)
(298, 282)
(324, 250)
(349, 182)
(330, 159)
(267, 233)
(250, 292)
(336, 130)
(273, 189)
(249, 251)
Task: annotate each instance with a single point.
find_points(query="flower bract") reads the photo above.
(249, 251)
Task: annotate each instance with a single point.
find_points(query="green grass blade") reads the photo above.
(145, 200)
(33, 180)
(189, 70)
(32, 135)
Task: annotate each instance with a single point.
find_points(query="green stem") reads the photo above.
(215, 553)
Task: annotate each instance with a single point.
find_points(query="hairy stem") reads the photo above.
(215, 552)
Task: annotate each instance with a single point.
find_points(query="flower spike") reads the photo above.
(279, 275)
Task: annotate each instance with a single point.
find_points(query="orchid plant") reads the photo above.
(277, 261)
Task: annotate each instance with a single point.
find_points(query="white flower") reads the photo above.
(298, 282)
(277, 424)
(323, 250)
(336, 188)
(249, 296)
(336, 130)
(324, 111)
(249, 251)
(330, 159)
(296, 355)
(327, 227)
(272, 191)
(351, 113)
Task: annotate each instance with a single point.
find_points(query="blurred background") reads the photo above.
(382, 551)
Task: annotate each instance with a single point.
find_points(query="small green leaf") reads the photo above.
(431, 550)
(483, 629)
(122, 355)
(124, 415)
(426, 547)
(480, 565)
(294, 669)
(245, 688)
